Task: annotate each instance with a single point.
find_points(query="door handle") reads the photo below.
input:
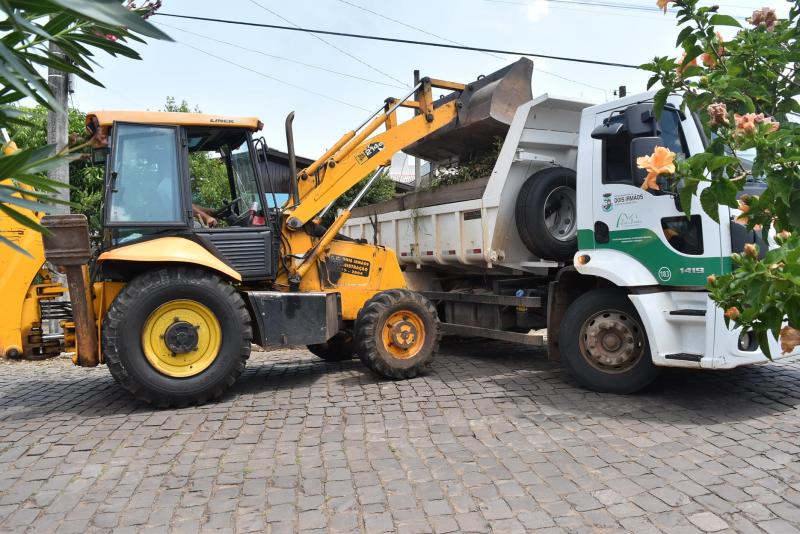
(601, 232)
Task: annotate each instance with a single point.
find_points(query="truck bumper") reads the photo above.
(686, 329)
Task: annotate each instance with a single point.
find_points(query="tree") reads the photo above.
(86, 179)
(744, 91)
(79, 28)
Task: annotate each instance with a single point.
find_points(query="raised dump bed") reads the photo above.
(520, 218)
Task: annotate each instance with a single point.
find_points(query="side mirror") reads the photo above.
(640, 120)
(642, 146)
(99, 155)
(604, 131)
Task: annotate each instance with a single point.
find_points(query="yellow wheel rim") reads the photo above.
(181, 338)
(403, 334)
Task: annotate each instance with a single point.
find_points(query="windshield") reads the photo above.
(244, 176)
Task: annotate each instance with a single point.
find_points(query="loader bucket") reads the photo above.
(486, 109)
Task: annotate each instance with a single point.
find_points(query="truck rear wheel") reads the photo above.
(546, 214)
(177, 336)
(604, 344)
(397, 333)
(339, 348)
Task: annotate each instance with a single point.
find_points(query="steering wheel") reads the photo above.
(240, 220)
(226, 209)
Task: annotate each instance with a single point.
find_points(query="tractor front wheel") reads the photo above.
(397, 333)
(177, 336)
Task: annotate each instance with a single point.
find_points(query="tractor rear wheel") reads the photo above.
(177, 336)
(397, 333)
(339, 348)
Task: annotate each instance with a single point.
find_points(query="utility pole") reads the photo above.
(58, 126)
(417, 163)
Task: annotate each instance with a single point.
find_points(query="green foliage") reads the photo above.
(744, 91)
(210, 186)
(380, 191)
(480, 165)
(79, 28)
(85, 178)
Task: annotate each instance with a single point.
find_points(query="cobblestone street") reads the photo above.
(494, 438)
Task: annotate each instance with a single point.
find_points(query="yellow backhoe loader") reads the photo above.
(172, 305)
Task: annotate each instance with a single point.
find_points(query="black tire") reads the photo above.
(530, 213)
(122, 336)
(372, 349)
(339, 348)
(592, 313)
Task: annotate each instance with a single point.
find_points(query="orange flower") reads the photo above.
(661, 162)
(718, 114)
(733, 313)
(790, 338)
(663, 4)
(783, 236)
(762, 18)
(10, 148)
(709, 59)
(711, 279)
(747, 124)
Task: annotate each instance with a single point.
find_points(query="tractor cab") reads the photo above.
(188, 175)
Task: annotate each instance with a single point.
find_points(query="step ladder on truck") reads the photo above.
(561, 236)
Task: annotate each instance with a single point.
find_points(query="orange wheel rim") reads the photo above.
(403, 334)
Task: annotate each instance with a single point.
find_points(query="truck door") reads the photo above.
(645, 224)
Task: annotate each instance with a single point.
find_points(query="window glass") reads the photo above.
(244, 177)
(147, 185)
(684, 235)
(671, 132)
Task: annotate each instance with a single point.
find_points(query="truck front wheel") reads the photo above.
(177, 336)
(604, 343)
(397, 333)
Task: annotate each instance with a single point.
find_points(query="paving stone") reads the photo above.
(493, 438)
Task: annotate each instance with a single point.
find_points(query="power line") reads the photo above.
(273, 78)
(622, 6)
(345, 52)
(273, 56)
(376, 13)
(403, 41)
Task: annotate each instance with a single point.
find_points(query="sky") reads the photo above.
(269, 73)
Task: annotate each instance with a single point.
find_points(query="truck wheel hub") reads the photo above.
(612, 341)
(181, 337)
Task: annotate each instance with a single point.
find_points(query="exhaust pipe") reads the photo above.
(292, 161)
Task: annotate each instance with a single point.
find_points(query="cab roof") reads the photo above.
(107, 118)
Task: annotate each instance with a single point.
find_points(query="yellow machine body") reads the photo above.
(23, 285)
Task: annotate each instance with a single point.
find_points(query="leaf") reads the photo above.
(686, 194)
(763, 343)
(659, 101)
(708, 201)
(113, 13)
(686, 32)
(724, 20)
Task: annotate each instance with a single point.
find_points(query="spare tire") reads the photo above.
(546, 214)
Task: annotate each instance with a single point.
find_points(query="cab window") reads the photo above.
(144, 180)
(223, 179)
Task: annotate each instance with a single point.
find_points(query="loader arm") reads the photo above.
(451, 126)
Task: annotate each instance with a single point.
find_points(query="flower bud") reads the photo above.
(711, 279)
(733, 313)
(751, 250)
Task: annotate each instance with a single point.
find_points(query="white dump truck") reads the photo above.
(561, 236)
